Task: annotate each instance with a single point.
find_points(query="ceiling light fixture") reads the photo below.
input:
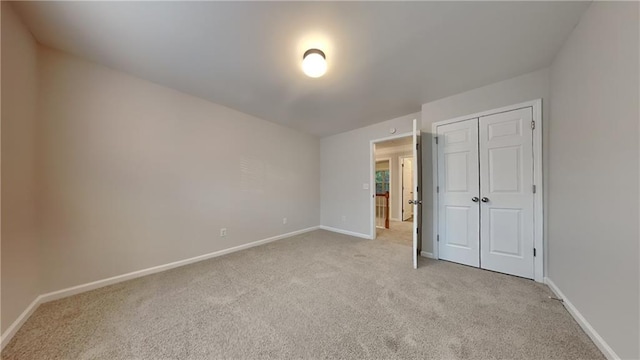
(314, 63)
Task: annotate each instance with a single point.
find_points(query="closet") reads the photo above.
(485, 193)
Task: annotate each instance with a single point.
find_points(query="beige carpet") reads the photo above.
(317, 295)
(399, 232)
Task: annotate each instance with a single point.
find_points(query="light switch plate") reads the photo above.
(365, 186)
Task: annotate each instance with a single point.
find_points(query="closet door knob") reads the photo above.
(475, 199)
(485, 199)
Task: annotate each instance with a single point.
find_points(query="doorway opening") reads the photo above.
(393, 190)
(378, 148)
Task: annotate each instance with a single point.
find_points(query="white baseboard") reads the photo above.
(427, 254)
(136, 274)
(55, 295)
(345, 232)
(584, 324)
(395, 219)
(13, 328)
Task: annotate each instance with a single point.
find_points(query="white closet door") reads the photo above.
(458, 192)
(506, 180)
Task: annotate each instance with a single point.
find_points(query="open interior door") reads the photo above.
(417, 198)
(407, 188)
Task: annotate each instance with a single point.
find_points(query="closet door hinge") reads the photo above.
(437, 189)
(534, 189)
(436, 140)
(534, 252)
(417, 230)
(438, 238)
(533, 125)
(417, 146)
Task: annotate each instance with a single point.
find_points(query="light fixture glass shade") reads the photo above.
(314, 63)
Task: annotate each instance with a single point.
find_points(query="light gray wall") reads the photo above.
(519, 89)
(138, 175)
(20, 269)
(593, 169)
(345, 156)
(346, 165)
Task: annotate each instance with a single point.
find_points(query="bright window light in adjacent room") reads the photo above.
(314, 63)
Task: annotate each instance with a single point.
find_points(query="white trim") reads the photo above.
(372, 180)
(401, 194)
(584, 324)
(538, 211)
(383, 159)
(345, 232)
(417, 195)
(13, 328)
(394, 219)
(538, 240)
(55, 295)
(427, 254)
(526, 104)
(434, 192)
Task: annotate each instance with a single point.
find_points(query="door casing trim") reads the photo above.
(372, 178)
(538, 197)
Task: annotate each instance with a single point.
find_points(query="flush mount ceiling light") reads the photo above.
(314, 63)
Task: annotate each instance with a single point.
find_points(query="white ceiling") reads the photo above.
(385, 58)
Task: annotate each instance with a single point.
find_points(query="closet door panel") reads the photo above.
(458, 214)
(506, 188)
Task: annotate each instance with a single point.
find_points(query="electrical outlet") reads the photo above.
(344, 218)
(223, 232)
(284, 220)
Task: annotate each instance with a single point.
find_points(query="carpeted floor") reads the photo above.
(399, 232)
(317, 295)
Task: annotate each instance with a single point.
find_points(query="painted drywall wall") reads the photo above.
(395, 196)
(593, 172)
(519, 89)
(138, 175)
(20, 269)
(346, 166)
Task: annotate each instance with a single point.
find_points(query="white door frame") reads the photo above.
(372, 178)
(401, 195)
(538, 214)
